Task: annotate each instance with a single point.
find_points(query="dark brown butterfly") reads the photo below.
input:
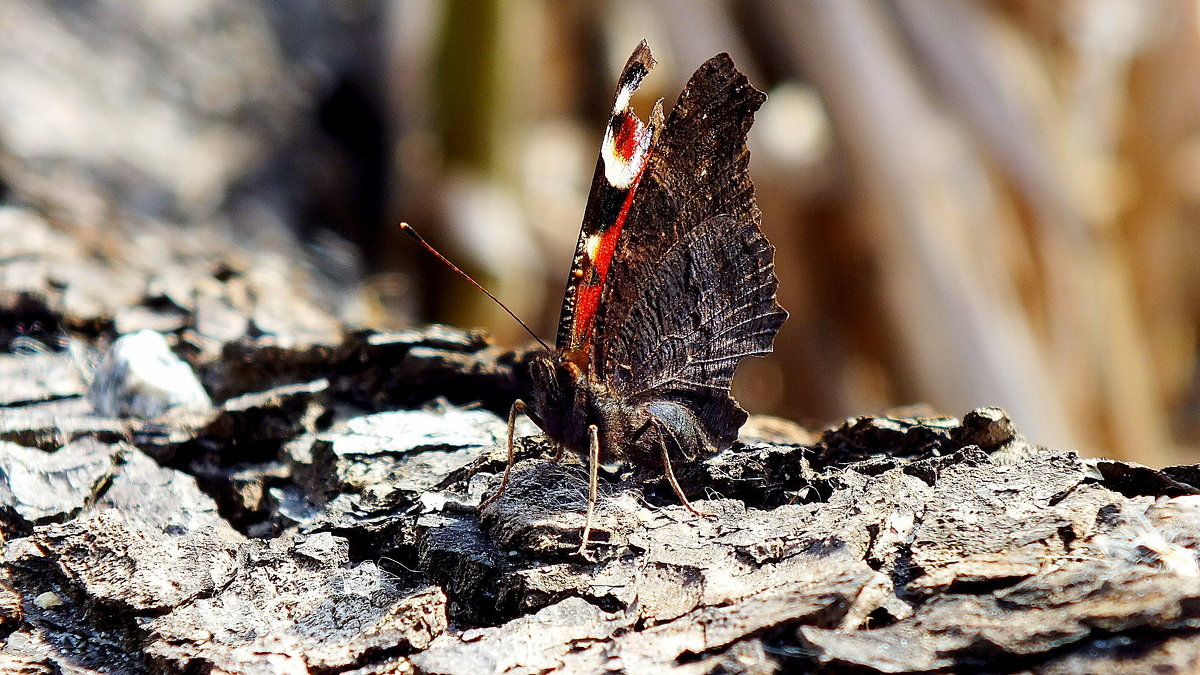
(672, 285)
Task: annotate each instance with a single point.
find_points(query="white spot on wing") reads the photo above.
(592, 246)
(623, 97)
(620, 173)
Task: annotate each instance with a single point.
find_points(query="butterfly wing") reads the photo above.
(624, 153)
(691, 290)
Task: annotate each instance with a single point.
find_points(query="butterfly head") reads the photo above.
(554, 375)
(559, 395)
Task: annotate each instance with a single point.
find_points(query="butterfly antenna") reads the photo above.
(420, 240)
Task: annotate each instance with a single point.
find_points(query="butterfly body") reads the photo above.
(566, 402)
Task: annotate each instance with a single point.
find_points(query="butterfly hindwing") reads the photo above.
(691, 290)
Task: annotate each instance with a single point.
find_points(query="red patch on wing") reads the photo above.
(592, 286)
(626, 138)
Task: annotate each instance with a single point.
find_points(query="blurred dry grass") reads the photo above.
(974, 202)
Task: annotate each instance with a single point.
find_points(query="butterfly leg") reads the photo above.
(518, 406)
(593, 486)
(558, 453)
(664, 431)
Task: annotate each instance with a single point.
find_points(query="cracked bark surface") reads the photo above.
(324, 518)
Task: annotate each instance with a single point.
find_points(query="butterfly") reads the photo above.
(672, 285)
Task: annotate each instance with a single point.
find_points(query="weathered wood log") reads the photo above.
(324, 516)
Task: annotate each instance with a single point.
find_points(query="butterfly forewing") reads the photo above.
(624, 154)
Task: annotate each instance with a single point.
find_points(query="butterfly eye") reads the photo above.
(568, 371)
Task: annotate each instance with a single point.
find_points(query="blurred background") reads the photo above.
(974, 202)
